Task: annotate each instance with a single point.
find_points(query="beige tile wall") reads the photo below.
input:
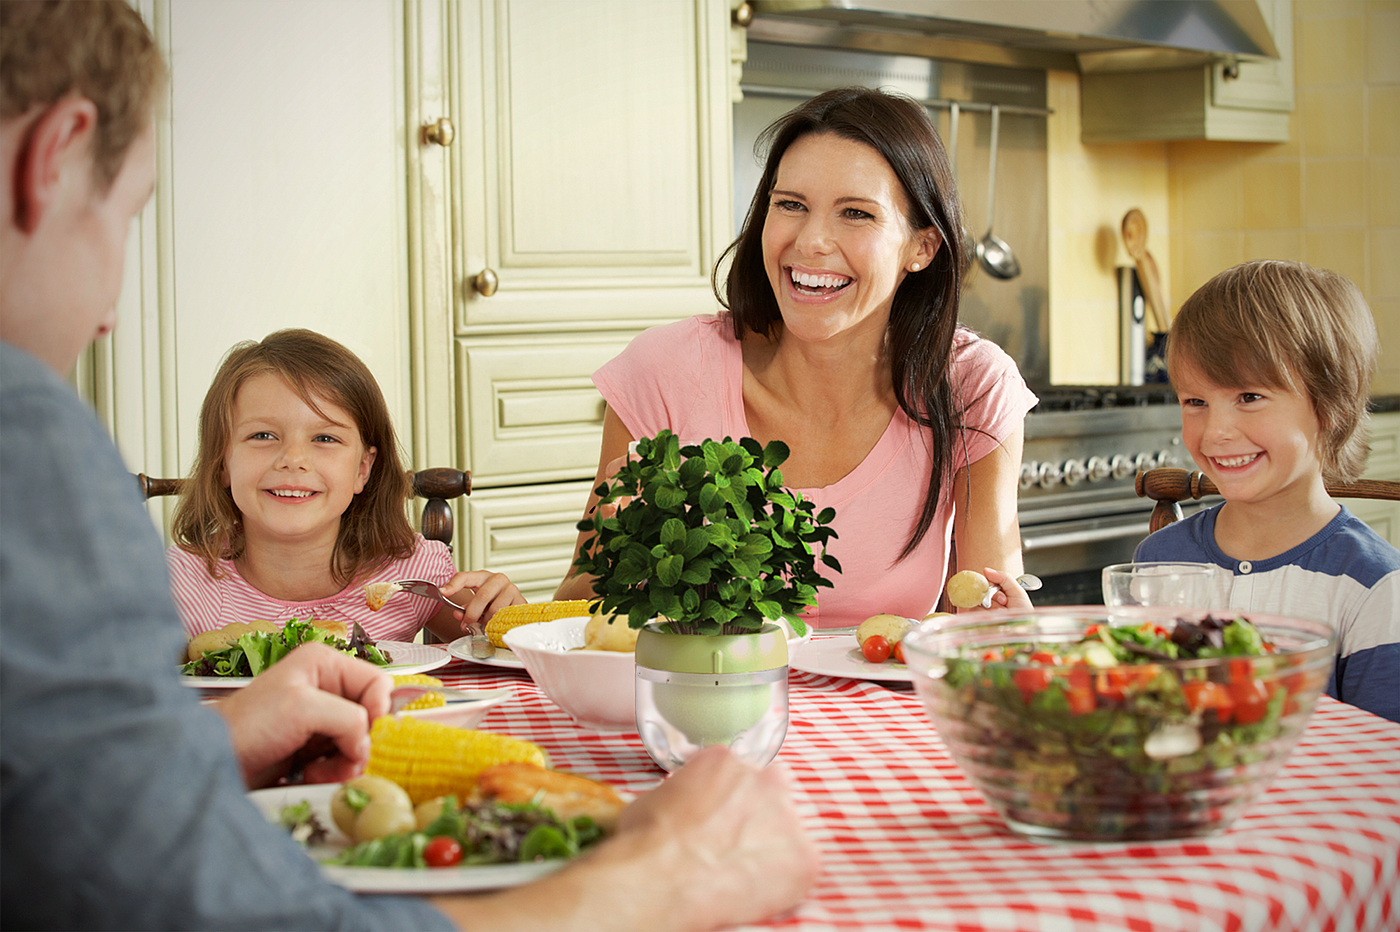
(1091, 188)
(1329, 197)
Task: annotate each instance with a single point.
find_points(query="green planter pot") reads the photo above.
(696, 690)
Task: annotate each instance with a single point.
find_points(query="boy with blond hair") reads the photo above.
(1272, 362)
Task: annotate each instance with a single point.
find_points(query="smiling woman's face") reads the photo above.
(836, 241)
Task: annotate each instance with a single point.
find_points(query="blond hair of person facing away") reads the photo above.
(841, 339)
(296, 501)
(124, 800)
(1272, 363)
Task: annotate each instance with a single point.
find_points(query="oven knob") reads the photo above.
(1050, 475)
(1143, 461)
(1030, 471)
(1122, 466)
(1099, 469)
(1167, 458)
(1075, 472)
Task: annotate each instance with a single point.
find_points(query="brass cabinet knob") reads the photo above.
(485, 283)
(742, 15)
(440, 132)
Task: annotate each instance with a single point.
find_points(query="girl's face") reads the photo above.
(292, 472)
(1257, 444)
(836, 244)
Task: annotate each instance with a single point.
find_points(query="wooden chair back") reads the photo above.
(1168, 486)
(440, 486)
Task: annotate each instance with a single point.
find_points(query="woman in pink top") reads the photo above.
(841, 339)
(297, 501)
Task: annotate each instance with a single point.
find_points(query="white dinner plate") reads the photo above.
(407, 658)
(840, 656)
(391, 879)
(462, 650)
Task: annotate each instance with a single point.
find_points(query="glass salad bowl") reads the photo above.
(1129, 724)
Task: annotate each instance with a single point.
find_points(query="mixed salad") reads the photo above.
(1111, 716)
(257, 650)
(484, 833)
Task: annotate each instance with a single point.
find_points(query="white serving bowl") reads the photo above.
(596, 687)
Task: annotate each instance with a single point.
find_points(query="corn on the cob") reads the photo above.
(513, 616)
(430, 760)
(429, 701)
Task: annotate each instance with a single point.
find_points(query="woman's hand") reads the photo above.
(310, 711)
(488, 593)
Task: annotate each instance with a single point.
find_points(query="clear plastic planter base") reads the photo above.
(680, 713)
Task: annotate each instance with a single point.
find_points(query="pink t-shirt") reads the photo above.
(688, 377)
(207, 603)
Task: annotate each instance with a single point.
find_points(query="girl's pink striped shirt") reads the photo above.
(207, 603)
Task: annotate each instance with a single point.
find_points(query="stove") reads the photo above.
(1078, 509)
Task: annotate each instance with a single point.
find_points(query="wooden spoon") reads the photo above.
(1135, 239)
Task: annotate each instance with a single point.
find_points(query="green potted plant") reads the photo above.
(702, 551)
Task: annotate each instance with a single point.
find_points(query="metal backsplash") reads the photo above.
(1014, 313)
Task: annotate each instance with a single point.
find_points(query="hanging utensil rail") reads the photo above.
(941, 103)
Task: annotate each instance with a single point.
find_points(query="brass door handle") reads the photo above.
(742, 15)
(440, 132)
(486, 283)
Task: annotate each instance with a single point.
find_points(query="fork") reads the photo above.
(481, 644)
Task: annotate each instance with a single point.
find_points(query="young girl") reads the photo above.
(1273, 362)
(296, 501)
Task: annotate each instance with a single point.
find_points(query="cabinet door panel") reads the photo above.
(527, 532)
(600, 164)
(532, 412)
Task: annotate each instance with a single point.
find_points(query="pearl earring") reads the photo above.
(914, 268)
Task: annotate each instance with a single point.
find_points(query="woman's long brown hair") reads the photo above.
(374, 528)
(924, 316)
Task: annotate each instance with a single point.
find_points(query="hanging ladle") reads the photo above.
(993, 254)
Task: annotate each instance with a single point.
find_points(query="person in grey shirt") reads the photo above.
(123, 800)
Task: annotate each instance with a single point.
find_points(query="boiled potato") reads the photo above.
(609, 632)
(891, 627)
(967, 589)
(371, 807)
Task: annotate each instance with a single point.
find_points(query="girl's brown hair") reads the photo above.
(374, 529)
(1288, 325)
(924, 315)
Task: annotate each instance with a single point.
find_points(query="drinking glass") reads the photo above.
(1172, 585)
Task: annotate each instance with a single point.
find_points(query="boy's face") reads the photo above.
(1257, 444)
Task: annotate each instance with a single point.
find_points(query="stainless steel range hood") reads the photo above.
(1083, 35)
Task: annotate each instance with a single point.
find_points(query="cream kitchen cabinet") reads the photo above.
(1251, 104)
(583, 197)
(1384, 463)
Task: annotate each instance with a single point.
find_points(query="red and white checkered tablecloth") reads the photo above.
(908, 843)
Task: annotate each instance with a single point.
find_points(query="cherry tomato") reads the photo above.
(442, 851)
(1116, 683)
(876, 649)
(1080, 692)
(1031, 680)
(1251, 698)
(897, 652)
(1204, 694)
